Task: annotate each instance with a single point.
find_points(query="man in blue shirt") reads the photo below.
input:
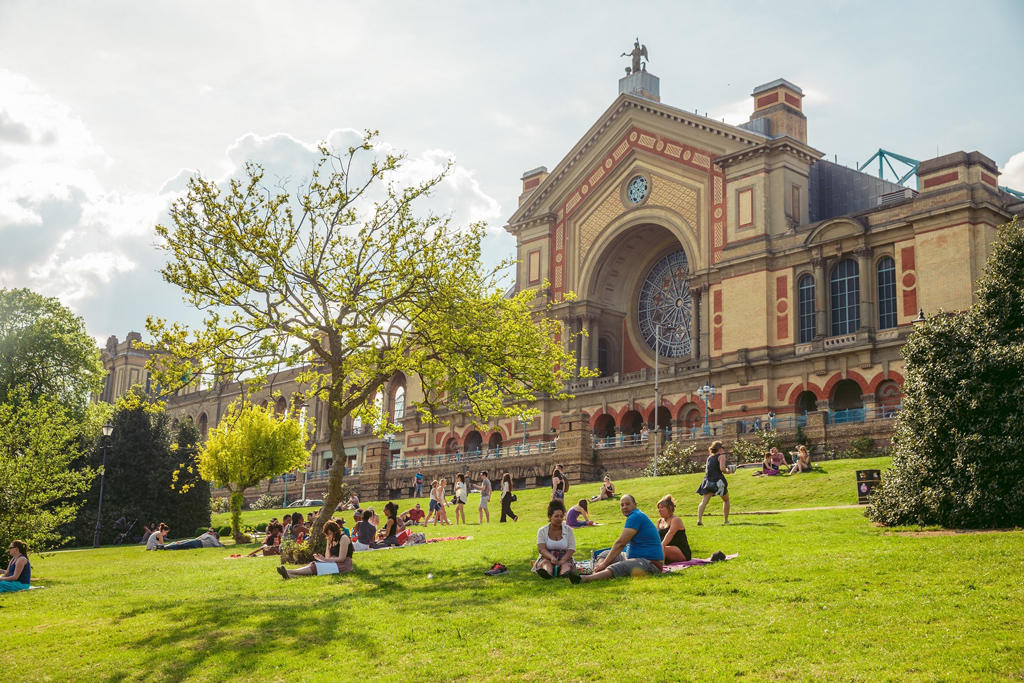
(641, 542)
(419, 483)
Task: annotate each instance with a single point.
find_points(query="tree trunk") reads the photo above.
(237, 500)
(335, 477)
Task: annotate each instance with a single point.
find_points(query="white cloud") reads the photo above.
(1013, 172)
(734, 113)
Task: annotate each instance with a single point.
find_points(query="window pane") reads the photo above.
(845, 298)
(805, 293)
(886, 294)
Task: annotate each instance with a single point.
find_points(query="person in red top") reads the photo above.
(414, 516)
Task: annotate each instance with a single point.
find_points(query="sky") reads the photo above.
(106, 108)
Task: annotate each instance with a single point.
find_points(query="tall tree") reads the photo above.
(192, 507)
(45, 349)
(39, 481)
(247, 446)
(958, 457)
(342, 277)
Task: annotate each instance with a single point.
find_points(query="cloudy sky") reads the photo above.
(107, 107)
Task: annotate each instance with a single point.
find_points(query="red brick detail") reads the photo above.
(793, 100)
(989, 179)
(800, 388)
(530, 184)
(882, 377)
(909, 301)
(782, 326)
(940, 179)
(781, 288)
(555, 421)
(838, 377)
(717, 301)
(631, 361)
(780, 391)
(907, 257)
(767, 99)
(716, 336)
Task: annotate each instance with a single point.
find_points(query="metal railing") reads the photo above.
(517, 450)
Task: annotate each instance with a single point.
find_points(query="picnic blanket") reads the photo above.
(695, 562)
(449, 538)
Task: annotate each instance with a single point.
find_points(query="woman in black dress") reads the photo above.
(506, 498)
(714, 483)
(672, 532)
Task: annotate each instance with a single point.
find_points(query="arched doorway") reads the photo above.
(889, 397)
(604, 426)
(494, 443)
(632, 423)
(451, 445)
(474, 441)
(694, 418)
(664, 419)
(806, 402)
(846, 395)
(203, 424)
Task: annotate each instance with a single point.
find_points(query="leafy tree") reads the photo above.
(248, 445)
(39, 482)
(143, 457)
(754, 451)
(343, 279)
(45, 349)
(958, 447)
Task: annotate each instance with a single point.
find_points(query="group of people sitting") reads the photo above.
(774, 461)
(643, 546)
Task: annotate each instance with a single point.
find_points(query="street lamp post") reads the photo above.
(706, 393)
(657, 354)
(107, 430)
(524, 421)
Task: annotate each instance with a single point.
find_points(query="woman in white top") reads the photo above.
(157, 537)
(556, 544)
(442, 513)
(461, 496)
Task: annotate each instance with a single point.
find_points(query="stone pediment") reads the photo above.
(660, 130)
(835, 229)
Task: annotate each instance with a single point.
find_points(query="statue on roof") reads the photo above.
(638, 52)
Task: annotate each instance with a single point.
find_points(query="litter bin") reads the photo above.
(867, 480)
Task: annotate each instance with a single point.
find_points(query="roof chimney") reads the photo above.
(780, 103)
(531, 181)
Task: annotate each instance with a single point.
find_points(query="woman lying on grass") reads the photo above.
(556, 544)
(337, 560)
(19, 571)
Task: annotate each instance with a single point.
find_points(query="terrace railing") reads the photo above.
(513, 451)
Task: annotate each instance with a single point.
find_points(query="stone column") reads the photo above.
(820, 298)
(696, 294)
(586, 341)
(867, 289)
(568, 340)
(575, 448)
(372, 484)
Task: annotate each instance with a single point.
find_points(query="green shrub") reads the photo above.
(221, 505)
(801, 436)
(261, 527)
(861, 447)
(224, 531)
(202, 530)
(266, 502)
(674, 459)
(296, 553)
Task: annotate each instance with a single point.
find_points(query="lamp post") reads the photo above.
(706, 393)
(107, 430)
(657, 354)
(920, 319)
(302, 424)
(524, 421)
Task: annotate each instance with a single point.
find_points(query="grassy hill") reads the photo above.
(813, 595)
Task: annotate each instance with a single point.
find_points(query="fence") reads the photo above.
(538, 448)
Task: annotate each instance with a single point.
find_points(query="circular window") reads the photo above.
(665, 301)
(637, 189)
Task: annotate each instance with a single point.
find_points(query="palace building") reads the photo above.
(711, 254)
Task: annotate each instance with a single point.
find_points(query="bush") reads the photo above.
(801, 436)
(202, 530)
(958, 441)
(674, 459)
(261, 527)
(861, 447)
(266, 502)
(296, 553)
(754, 451)
(221, 505)
(224, 531)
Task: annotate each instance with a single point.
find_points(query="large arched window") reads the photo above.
(886, 294)
(602, 356)
(399, 403)
(845, 298)
(805, 296)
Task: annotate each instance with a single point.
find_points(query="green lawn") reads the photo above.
(814, 595)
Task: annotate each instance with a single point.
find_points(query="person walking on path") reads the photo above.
(714, 483)
(485, 497)
(506, 498)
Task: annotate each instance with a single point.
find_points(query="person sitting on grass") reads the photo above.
(337, 558)
(607, 490)
(271, 544)
(801, 460)
(208, 540)
(556, 544)
(18, 576)
(639, 539)
(353, 503)
(299, 530)
(572, 518)
(366, 532)
(672, 532)
(387, 536)
(772, 464)
(414, 516)
(157, 537)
